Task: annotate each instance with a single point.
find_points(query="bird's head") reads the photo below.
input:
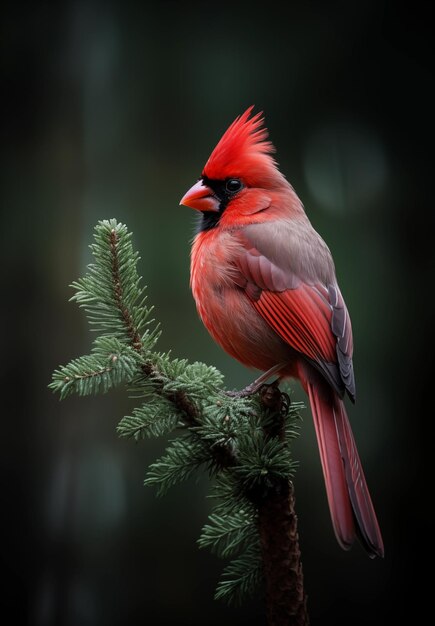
(239, 174)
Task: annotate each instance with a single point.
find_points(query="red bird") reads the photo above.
(265, 287)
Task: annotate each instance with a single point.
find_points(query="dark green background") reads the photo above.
(111, 111)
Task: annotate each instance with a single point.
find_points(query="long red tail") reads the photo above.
(349, 499)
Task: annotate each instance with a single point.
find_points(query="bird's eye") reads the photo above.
(233, 185)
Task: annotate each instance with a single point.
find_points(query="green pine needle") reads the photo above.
(228, 497)
(183, 456)
(110, 364)
(152, 419)
(227, 534)
(241, 577)
(262, 461)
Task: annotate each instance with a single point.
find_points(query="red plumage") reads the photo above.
(265, 287)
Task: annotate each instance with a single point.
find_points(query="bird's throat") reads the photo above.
(208, 220)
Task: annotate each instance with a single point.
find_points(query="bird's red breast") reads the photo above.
(225, 311)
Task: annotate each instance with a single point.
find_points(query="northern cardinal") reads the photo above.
(265, 287)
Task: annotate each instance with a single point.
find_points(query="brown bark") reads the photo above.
(286, 601)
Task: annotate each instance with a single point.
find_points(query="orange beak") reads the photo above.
(201, 198)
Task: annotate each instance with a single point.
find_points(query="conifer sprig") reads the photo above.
(241, 577)
(111, 292)
(234, 439)
(110, 363)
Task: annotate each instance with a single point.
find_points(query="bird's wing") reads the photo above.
(300, 301)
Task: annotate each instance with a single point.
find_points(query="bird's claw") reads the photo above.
(273, 398)
(249, 390)
(270, 394)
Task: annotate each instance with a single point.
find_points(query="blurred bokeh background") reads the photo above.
(110, 110)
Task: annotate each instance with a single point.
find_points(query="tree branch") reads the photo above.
(179, 398)
(243, 442)
(286, 602)
(127, 318)
(285, 597)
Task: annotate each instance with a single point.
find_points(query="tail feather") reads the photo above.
(367, 523)
(349, 499)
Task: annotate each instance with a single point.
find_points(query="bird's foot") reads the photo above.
(270, 395)
(273, 398)
(258, 383)
(249, 390)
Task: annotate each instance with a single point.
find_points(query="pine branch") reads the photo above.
(182, 458)
(110, 364)
(241, 577)
(243, 443)
(111, 294)
(228, 497)
(285, 597)
(152, 419)
(226, 535)
(286, 601)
